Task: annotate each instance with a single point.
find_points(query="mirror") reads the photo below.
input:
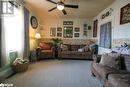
(68, 32)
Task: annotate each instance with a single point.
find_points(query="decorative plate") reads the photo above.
(34, 22)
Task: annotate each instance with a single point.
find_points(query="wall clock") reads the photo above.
(34, 22)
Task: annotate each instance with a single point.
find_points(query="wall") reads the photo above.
(120, 33)
(33, 41)
(47, 24)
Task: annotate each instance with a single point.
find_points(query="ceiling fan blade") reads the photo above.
(64, 12)
(51, 1)
(71, 6)
(52, 9)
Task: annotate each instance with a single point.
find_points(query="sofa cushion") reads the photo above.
(103, 71)
(80, 50)
(127, 62)
(82, 45)
(110, 59)
(86, 48)
(68, 46)
(75, 47)
(45, 46)
(119, 80)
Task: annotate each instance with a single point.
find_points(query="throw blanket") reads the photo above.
(122, 50)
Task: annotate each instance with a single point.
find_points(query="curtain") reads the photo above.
(26, 33)
(0, 41)
(0, 32)
(105, 35)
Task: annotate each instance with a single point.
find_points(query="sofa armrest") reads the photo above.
(96, 58)
(38, 50)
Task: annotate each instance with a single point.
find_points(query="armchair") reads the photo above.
(45, 50)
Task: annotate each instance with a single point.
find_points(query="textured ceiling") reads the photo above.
(87, 8)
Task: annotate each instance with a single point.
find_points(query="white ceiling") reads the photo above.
(87, 8)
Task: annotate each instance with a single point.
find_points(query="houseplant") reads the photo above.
(56, 44)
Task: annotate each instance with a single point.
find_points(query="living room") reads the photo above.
(62, 47)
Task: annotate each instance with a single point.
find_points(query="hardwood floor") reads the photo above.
(56, 73)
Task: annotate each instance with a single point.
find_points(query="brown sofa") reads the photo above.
(71, 52)
(111, 77)
(45, 50)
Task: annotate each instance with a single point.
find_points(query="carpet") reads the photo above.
(56, 73)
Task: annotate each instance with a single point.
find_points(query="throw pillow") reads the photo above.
(92, 46)
(80, 50)
(45, 46)
(64, 47)
(127, 62)
(86, 48)
(110, 59)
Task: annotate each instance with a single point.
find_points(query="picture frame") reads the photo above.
(67, 22)
(85, 33)
(53, 31)
(59, 29)
(59, 34)
(68, 32)
(76, 34)
(85, 25)
(34, 22)
(77, 29)
(95, 26)
(89, 27)
(125, 14)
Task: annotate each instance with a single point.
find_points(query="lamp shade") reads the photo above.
(37, 35)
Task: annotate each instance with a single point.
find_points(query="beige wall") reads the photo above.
(120, 33)
(32, 40)
(45, 26)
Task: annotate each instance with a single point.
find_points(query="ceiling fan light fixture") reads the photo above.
(60, 7)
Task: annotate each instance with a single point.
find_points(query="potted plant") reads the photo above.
(56, 43)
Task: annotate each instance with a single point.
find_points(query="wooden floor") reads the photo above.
(56, 73)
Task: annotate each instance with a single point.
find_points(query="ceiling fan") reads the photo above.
(60, 5)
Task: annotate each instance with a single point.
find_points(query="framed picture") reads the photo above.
(85, 33)
(85, 25)
(34, 22)
(52, 31)
(76, 34)
(125, 14)
(68, 32)
(59, 34)
(59, 29)
(67, 22)
(95, 25)
(89, 27)
(76, 29)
